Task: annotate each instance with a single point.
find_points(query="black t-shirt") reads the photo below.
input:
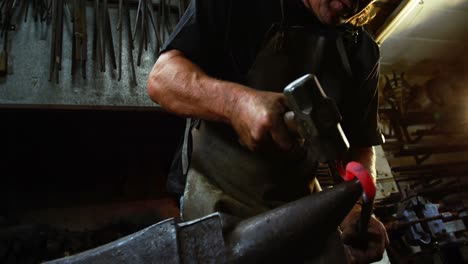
(223, 38)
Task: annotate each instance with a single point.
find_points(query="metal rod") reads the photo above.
(120, 28)
(74, 40)
(129, 34)
(27, 3)
(53, 42)
(155, 28)
(142, 33)
(137, 19)
(145, 24)
(84, 41)
(58, 57)
(110, 40)
(102, 23)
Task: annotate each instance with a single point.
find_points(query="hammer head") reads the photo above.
(317, 118)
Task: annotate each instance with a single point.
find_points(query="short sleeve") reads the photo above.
(366, 131)
(362, 122)
(200, 33)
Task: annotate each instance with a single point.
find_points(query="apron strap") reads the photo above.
(185, 154)
(343, 55)
(190, 123)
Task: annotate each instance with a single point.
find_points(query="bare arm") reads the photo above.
(365, 156)
(181, 87)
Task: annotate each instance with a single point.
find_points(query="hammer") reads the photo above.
(318, 121)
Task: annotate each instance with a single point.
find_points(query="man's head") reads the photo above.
(335, 12)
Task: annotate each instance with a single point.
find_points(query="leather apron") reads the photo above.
(225, 176)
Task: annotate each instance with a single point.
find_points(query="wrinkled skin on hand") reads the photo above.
(258, 118)
(377, 239)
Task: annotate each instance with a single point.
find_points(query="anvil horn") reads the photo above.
(295, 229)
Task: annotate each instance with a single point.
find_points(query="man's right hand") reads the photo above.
(258, 116)
(181, 87)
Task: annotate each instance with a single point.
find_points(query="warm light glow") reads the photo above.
(407, 6)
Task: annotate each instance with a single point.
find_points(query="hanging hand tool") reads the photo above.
(130, 42)
(119, 29)
(80, 37)
(5, 18)
(141, 22)
(98, 43)
(42, 10)
(152, 18)
(102, 33)
(27, 3)
(137, 20)
(144, 19)
(56, 39)
(141, 28)
(109, 38)
(4, 55)
(53, 42)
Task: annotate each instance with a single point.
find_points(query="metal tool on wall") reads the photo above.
(103, 41)
(6, 12)
(165, 24)
(144, 18)
(124, 11)
(80, 37)
(147, 29)
(56, 39)
(40, 10)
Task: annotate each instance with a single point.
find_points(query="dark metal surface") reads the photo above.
(303, 229)
(157, 242)
(199, 241)
(297, 229)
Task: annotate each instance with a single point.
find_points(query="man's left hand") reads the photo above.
(376, 235)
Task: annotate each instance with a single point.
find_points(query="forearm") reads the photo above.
(181, 87)
(365, 156)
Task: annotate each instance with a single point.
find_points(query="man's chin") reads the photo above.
(332, 20)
